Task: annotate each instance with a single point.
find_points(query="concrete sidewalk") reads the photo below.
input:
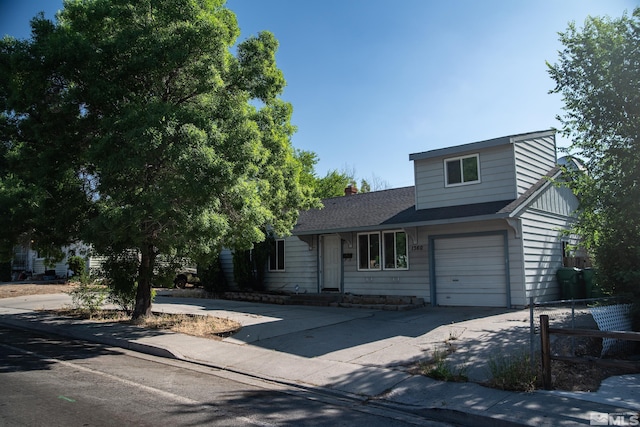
(362, 353)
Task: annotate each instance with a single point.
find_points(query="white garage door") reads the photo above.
(470, 271)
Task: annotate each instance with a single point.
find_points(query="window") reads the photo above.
(276, 257)
(462, 170)
(369, 251)
(395, 251)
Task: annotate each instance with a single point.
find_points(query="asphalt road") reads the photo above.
(52, 381)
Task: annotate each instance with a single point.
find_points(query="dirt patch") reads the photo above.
(21, 289)
(580, 376)
(583, 376)
(195, 325)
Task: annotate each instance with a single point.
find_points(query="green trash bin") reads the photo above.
(591, 287)
(570, 281)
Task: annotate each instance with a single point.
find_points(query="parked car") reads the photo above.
(189, 275)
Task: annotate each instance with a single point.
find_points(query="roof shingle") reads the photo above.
(382, 208)
(396, 207)
(356, 211)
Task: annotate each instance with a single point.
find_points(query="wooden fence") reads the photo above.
(545, 331)
(579, 262)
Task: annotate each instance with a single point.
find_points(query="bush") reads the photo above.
(165, 274)
(78, 265)
(5, 271)
(124, 297)
(249, 266)
(212, 277)
(89, 297)
(121, 272)
(243, 269)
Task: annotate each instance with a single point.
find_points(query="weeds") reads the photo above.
(88, 297)
(439, 368)
(512, 372)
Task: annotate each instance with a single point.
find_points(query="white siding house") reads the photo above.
(496, 178)
(481, 227)
(28, 260)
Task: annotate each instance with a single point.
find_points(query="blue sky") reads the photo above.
(372, 81)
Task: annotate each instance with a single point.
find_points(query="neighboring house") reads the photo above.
(481, 227)
(28, 261)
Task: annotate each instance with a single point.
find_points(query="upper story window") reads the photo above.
(369, 251)
(395, 250)
(462, 170)
(276, 257)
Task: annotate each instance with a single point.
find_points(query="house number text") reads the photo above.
(417, 247)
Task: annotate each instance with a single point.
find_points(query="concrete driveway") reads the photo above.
(375, 338)
(386, 339)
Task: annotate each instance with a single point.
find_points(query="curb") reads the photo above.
(433, 414)
(114, 342)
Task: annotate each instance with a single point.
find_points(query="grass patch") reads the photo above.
(512, 372)
(439, 368)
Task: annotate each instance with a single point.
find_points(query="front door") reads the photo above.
(331, 263)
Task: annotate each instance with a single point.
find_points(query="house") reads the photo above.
(27, 262)
(480, 227)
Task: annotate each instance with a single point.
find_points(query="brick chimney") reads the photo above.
(351, 189)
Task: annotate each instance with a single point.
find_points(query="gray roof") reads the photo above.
(472, 211)
(357, 211)
(474, 146)
(542, 182)
(382, 210)
(395, 208)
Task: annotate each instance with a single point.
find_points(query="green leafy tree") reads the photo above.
(335, 181)
(333, 184)
(36, 116)
(143, 131)
(598, 77)
(365, 187)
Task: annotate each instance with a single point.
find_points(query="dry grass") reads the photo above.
(17, 290)
(195, 325)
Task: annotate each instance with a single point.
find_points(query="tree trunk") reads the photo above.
(145, 273)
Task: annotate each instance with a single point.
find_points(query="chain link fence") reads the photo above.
(572, 314)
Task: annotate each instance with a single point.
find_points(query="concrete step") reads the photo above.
(314, 299)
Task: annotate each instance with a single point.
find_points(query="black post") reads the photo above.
(546, 351)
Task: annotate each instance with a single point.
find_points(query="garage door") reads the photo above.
(470, 271)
